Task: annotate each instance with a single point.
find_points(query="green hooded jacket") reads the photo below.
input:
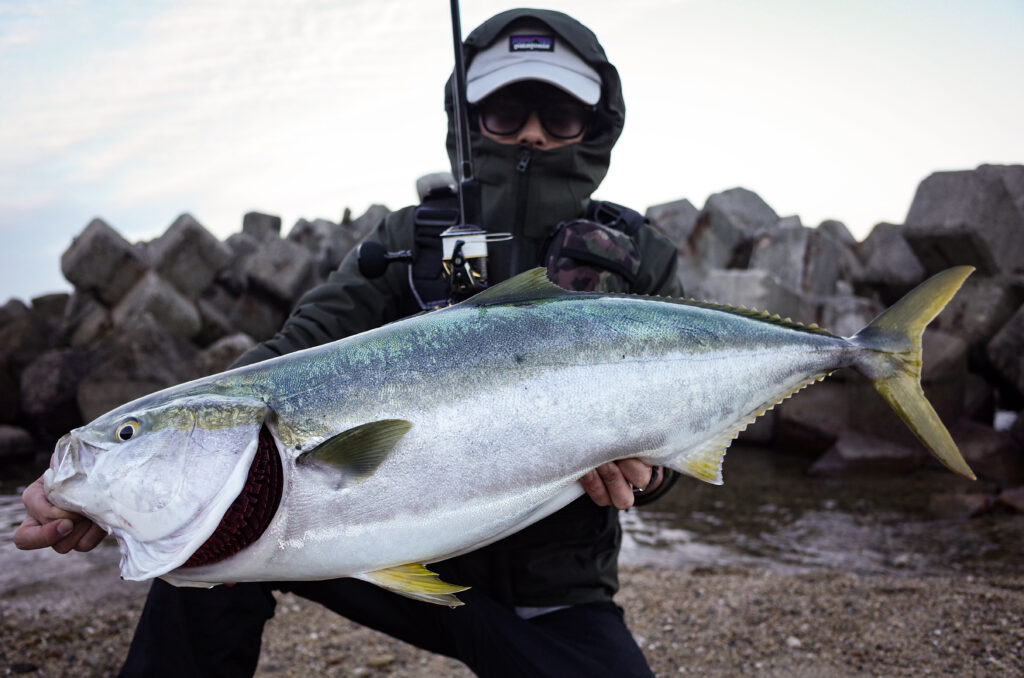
(571, 556)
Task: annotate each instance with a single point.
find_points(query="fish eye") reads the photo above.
(126, 430)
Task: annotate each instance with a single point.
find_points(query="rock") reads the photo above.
(23, 338)
(433, 182)
(958, 506)
(721, 237)
(281, 269)
(857, 453)
(261, 226)
(156, 297)
(16, 444)
(48, 392)
(220, 355)
(971, 217)
(100, 261)
(991, 454)
(889, 263)
(188, 256)
(138, 360)
(1005, 354)
(1012, 499)
(675, 220)
(10, 395)
(754, 290)
(215, 323)
(980, 308)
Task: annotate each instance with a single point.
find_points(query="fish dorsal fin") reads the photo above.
(532, 285)
(359, 451)
(417, 582)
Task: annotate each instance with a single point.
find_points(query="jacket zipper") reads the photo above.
(522, 194)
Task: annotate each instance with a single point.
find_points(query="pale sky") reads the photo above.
(138, 111)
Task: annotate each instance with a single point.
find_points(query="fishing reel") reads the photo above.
(463, 253)
(464, 257)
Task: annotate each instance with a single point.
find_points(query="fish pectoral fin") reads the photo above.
(359, 451)
(417, 582)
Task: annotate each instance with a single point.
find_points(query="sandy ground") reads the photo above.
(75, 618)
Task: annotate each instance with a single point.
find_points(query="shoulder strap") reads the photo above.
(615, 216)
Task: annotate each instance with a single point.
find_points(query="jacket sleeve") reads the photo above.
(347, 303)
(659, 274)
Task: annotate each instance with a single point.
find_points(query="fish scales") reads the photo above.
(435, 435)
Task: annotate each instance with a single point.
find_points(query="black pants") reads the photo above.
(217, 632)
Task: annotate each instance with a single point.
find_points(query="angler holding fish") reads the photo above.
(342, 457)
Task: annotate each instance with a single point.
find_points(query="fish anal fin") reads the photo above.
(360, 450)
(705, 462)
(417, 582)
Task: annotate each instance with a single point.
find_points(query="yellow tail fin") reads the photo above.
(896, 371)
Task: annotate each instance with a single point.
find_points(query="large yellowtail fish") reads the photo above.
(433, 436)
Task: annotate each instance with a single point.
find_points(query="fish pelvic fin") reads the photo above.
(360, 450)
(895, 367)
(417, 582)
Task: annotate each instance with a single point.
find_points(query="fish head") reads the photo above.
(159, 476)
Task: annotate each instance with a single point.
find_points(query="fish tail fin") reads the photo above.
(894, 367)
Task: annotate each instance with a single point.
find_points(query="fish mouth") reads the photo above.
(250, 514)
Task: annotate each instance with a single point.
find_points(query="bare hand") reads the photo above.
(46, 525)
(612, 484)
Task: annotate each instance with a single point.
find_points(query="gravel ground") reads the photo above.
(701, 621)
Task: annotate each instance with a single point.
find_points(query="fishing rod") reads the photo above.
(464, 243)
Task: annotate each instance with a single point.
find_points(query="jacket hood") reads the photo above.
(564, 178)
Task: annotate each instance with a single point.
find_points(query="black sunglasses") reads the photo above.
(507, 111)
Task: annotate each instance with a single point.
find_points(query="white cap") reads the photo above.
(531, 52)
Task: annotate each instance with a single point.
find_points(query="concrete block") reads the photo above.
(14, 308)
(1011, 499)
(48, 388)
(992, 455)
(243, 247)
(781, 253)
(137, 360)
(726, 225)
(839, 231)
(156, 297)
(845, 315)
(981, 308)
(261, 226)
(49, 308)
(675, 220)
(857, 453)
(16, 444)
(100, 261)
(188, 256)
(810, 422)
(362, 225)
(889, 263)
(219, 355)
(85, 320)
(1005, 352)
(962, 506)
(971, 217)
(282, 269)
(755, 290)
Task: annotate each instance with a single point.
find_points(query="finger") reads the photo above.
(40, 508)
(595, 489)
(31, 535)
(69, 542)
(637, 473)
(619, 489)
(91, 539)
